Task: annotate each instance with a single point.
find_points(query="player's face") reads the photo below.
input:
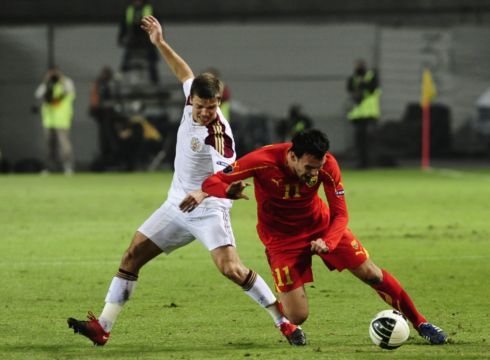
(306, 167)
(204, 111)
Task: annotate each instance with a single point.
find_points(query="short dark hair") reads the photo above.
(313, 142)
(207, 86)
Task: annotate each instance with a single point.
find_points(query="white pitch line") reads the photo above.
(457, 174)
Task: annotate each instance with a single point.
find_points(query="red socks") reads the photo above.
(392, 293)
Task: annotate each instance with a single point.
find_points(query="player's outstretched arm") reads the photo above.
(155, 32)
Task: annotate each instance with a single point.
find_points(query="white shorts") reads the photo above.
(170, 228)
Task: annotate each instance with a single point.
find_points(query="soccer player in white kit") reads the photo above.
(205, 145)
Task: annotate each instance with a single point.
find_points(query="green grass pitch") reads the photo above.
(62, 239)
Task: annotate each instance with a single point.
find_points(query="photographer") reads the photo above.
(57, 93)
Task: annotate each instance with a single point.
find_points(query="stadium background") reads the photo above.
(62, 237)
(271, 54)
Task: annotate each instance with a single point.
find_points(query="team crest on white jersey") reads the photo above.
(196, 145)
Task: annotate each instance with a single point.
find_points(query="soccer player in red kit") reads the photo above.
(294, 223)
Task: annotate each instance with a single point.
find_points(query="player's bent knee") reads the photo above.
(295, 305)
(128, 260)
(369, 273)
(296, 314)
(297, 317)
(373, 280)
(134, 258)
(373, 276)
(141, 250)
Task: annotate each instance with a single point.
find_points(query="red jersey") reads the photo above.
(290, 213)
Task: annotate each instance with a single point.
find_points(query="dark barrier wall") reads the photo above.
(403, 12)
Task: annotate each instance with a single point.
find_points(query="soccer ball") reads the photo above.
(389, 329)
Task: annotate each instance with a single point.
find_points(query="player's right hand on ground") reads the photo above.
(152, 26)
(235, 190)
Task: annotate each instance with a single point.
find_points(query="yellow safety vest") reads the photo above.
(147, 10)
(58, 114)
(369, 106)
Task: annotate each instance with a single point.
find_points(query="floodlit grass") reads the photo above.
(62, 239)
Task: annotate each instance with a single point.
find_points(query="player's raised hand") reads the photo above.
(152, 26)
(235, 190)
(192, 200)
(318, 246)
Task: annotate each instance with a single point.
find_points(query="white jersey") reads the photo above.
(200, 152)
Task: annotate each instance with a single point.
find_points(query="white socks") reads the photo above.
(262, 294)
(109, 316)
(275, 314)
(119, 292)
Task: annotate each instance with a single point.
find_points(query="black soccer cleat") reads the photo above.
(433, 334)
(294, 334)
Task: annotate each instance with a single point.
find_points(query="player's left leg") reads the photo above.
(391, 291)
(290, 271)
(140, 251)
(294, 304)
(350, 254)
(229, 264)
(213, 229)
(159, 233)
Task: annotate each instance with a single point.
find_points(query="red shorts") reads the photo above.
(292, 268)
